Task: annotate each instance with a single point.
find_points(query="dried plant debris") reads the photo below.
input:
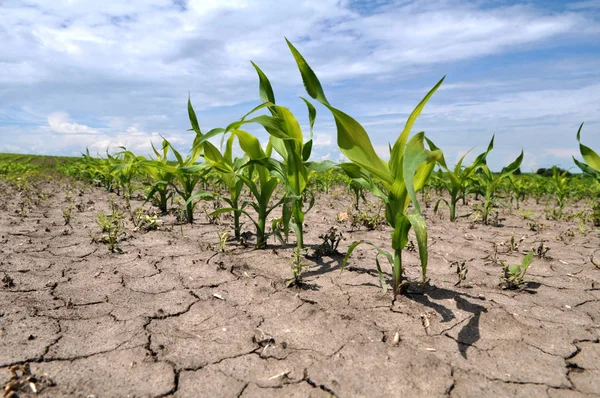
(23, 383)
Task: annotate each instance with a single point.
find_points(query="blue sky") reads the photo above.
(77, 74)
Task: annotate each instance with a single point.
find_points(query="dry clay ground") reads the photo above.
(169, 317)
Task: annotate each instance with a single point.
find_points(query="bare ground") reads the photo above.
(171, 317)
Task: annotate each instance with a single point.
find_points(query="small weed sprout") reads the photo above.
(492, 258)
(526, 214)
(513, 275)
(222, 241)
(146, 221)
(297, 269)
(512, 244)
(370, 218)
(331, 241)
(536, 226)
(66, 213)
(461, 270)
(113, 230)
(541, 251)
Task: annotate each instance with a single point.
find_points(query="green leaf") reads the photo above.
(590, 157)
(415, 155)
(265, 91)
(311, 82)
(398, 149)
(192, 115)
(527, 260)
(420, 228)
(511, 168)
(321, 166)
(379, 250)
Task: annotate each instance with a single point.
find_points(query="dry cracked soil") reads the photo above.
(172, 317)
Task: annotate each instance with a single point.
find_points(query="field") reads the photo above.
(247, 269)
(186, 310)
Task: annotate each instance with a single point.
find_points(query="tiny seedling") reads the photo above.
(223, 241)
(536, 226)
(512, 245)
(113, 230)
(461, 270)
(541, 251)
(513, 275)
(146, 221)
(526, 214)
(493, 257)
(331, 241)
(370, 219)
(298, 267)
(66, 213)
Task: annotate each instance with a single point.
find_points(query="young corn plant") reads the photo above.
(286, 138)
(490, 182)
(158, 189)
(229, 170)
(460, 179)
(125, 170)
(519, 187)
(407, 171)
(262, 186)
(187, 173)
(358, 180)
(591, 160)
(561, 187)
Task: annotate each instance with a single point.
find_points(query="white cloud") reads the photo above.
(58, 122)
(123, 70)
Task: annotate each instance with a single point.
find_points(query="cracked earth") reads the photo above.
(172, 318)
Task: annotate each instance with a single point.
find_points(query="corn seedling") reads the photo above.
(591, 160)
(513, 275)
(490, 183)
(518, 186)
(229, 171)
(286, 138)
(407, 171)
(561, 187)
(459, 180)
(158, 188)
(186, 172)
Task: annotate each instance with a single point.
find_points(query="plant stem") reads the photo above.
(397, 271)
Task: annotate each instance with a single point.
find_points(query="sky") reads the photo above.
(77, 74)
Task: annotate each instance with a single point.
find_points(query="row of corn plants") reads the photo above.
(281, 176)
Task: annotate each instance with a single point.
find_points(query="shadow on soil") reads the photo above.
(469, 334)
